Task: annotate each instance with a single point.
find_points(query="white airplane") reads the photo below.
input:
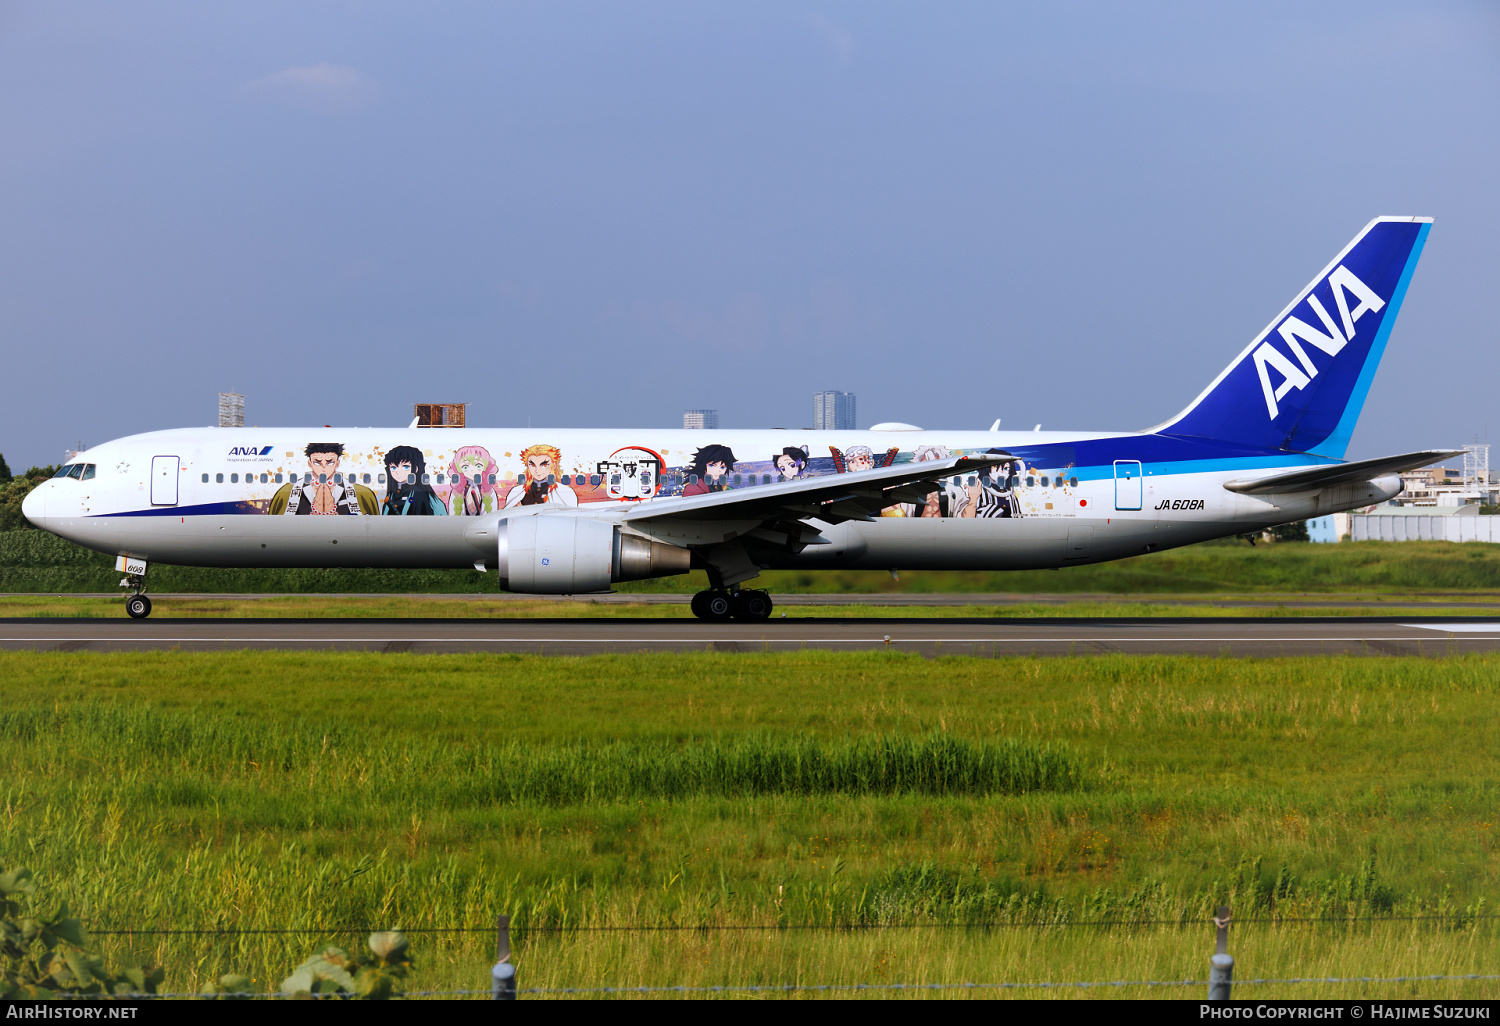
(574, 511)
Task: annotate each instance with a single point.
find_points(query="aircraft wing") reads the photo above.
(834, 498)
(1339, 473)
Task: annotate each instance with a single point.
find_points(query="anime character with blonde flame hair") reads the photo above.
(540, 485)
(473, 492)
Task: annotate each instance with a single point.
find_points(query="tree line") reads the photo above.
(14, 489)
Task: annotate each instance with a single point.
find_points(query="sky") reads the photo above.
(601, 214)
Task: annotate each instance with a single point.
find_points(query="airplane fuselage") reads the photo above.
(249, 497)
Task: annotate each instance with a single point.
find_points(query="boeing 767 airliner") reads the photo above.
(574, 511)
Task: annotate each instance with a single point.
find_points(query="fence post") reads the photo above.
(503, 975)
(1221, 963)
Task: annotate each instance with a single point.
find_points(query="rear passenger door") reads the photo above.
(1128, 484)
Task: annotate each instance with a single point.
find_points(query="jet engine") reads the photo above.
(567, 555)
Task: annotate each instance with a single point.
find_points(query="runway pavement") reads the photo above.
(1232, 636)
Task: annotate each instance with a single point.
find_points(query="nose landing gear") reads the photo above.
(137, 605)
(719, 604)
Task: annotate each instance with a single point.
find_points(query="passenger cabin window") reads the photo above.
(265, 478)
(426, 478)
(205, 479)
(379, 477)
(1044, 482)
(307, 478)
(218, 479)
(1030, 481)
(440, 479)
(595, 479)
(1072, 482)
(367, 479)
(278, 479)
(234, 479)
(736, 480)
(492, 479)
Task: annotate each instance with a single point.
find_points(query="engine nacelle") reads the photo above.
(569, 555)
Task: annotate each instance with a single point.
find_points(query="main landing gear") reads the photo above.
(740, 603)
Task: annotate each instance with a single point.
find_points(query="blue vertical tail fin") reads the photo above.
(1300, 384)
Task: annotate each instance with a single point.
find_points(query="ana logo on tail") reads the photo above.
(1294, 331)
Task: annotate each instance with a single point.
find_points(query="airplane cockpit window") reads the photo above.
(63, 470)
(75, 471)
(88, 472)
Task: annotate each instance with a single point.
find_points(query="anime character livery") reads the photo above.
(473, 491)
(407, 491)
(539, 485)
(1263, 444)
(323, 491)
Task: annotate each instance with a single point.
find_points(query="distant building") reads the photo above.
(833, 411)
(700, 420)
(231, 409)
(441, 415)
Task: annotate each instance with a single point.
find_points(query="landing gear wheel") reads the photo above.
(713, 605)
(138, 606)
(752, 605)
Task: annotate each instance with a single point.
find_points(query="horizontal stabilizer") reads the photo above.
(1331, 474)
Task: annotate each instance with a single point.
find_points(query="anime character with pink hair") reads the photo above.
(473, 492)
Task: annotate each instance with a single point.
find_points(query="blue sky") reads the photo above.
(592, 215)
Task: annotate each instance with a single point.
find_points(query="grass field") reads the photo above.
(36, 562)
(811, 817)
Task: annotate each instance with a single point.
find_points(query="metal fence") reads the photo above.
(1377, 527)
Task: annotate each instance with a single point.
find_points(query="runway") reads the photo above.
(1228, 636)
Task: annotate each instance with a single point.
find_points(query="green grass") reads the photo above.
(36, 562)
(881, 791)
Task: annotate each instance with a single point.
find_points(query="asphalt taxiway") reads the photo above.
(1226, 636)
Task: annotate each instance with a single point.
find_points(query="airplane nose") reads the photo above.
(34, 506)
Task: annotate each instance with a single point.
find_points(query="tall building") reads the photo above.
(231, 409)
(833, 411)
(701, 420)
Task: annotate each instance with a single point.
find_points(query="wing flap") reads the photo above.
(836, 498)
